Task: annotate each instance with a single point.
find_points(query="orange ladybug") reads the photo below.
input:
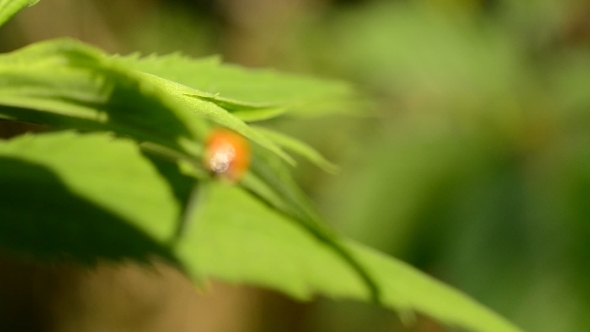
(227, 154)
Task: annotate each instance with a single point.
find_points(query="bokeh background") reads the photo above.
(470, 158)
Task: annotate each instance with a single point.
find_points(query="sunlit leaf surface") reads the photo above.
(244, 242)
(83, 196)
(100, 196)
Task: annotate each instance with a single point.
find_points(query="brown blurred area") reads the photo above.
(123, 297)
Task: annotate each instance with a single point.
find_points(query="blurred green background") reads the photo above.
(469, 159)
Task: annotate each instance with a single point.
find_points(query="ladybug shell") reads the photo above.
(227, 154)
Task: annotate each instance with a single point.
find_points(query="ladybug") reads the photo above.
(227, 154)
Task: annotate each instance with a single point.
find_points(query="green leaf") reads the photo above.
(271, 181)
(180, 95)
(67, 195)
(68, 84)
(292, 144)
(251, 243)
(90, 93)
(66, 199)
(107, 200)
(239, 89)
(9, 8)
(258, 114)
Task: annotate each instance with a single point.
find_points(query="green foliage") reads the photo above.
(293, 145)
(83, 196)
(91, 89)
(235, 88)
(132, 186)
(9, 8)
(223, 241)
(476, 172)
